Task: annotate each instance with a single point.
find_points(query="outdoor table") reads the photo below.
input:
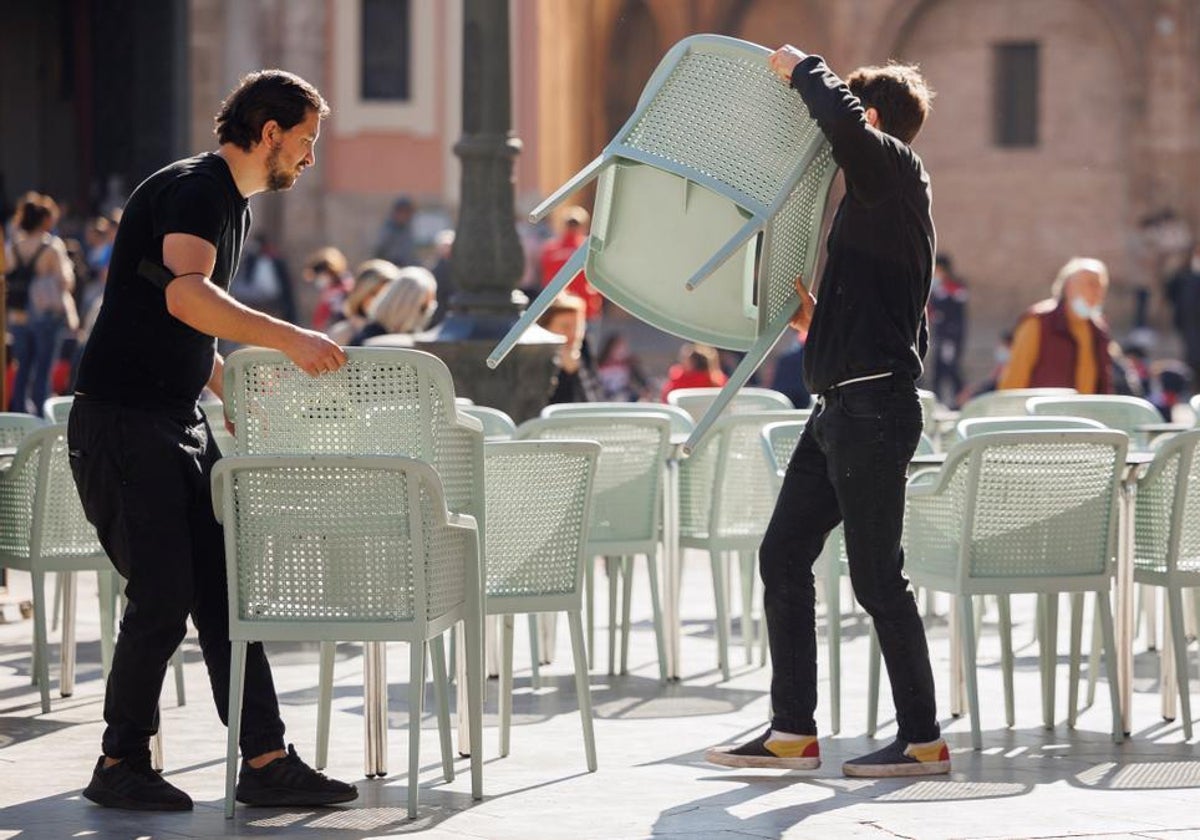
(1123, 613)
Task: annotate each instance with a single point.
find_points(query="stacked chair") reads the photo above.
(718, 150)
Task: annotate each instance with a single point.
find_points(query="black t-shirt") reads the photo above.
(870, 313)
(138, 353)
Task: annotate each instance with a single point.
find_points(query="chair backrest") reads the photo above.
(681, 421)
(383, 401)
(1115, 411)
(15, 426)
(539, 496)
(57, 409)
(695, 401)
(1010, 403)
(626, 493)
(1167, 518)
(929, 408)
(496, 424)
(779, 442)
(340, 547)
(41, 517)
(986, 425)
(1027, 510)
(722, 491)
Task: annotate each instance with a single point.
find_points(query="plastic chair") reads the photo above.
(383, 401)
(717, 151)
(697, 401)
(43, 529)
(1167, 545)
(986, 425)
(58, 409)
(1019, 512)
(535, 563)
(626, 506)
(15, 426)
(330, 548)
(681, 421)
(725, 506)
(1115, 411)
(496, 424)
(1010, 403)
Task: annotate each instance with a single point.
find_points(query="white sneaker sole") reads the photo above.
(767, 762)
(891, 771)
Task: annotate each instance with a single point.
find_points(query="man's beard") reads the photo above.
(278, 178)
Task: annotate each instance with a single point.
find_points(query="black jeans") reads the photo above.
(849, 466)
(143, 477)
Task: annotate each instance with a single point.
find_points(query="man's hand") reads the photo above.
(784, 60)
(804, 312)
(314, 353)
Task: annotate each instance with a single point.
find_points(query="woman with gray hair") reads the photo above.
(405, 305)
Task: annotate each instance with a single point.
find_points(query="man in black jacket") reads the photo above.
(866, 339)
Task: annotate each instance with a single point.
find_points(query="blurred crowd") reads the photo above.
(56, 266)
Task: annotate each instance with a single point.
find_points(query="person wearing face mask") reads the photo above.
(1062, 342)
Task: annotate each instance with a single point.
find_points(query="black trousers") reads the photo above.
(850, 467)
(143, 476)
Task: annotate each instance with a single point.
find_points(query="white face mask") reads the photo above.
(1080, 307)
(1001, 355)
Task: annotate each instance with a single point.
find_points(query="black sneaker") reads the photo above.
(763, 751)
(902, 759)
(289, 781)
(132, 784)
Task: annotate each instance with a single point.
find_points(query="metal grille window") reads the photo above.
(1018, 79)
(386, 50)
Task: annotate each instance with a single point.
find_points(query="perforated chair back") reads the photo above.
(986, 425)
(681, 421)
(1018, 512)
(58, 409)
(539, 504)
(779, 443)
(1167, 520)
(625, 494)
(496, 424)
(1010, 403)
(718, 150)
(15, 427)
(383, 401)
(696, 401)
(1115, 411)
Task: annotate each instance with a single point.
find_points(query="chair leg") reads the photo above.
(833, 626)
(1075, 656)
(237, 676)
(41, 668)
(66, 650)
(1048, 608)
(967, 620)
(473, 653)
(874, 657)
(612, 570)
(56, 610)
(718, 578)
(1004, 610)
(375, 707)
(1094, 658)
(156, 747)
(1168, 685)
(589, 604)
(1179, 646)
(1148, 596)
(660, 640)
(441, 701)
(105, 583)
(1104, 608)
(416, 698)
(582, 688)
(324, 703)
(746, 567)
(535, 653)
(177, 664)
(506, 681)
(626, 568)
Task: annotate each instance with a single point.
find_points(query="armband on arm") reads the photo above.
(160, 276)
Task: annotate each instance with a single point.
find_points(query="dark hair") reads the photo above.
(899, 94)
(33, 210)
(263, 96)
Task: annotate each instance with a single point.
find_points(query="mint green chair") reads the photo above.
(697, 401)
(496, 424)
(1009, 403)
(1115, 411)
(726, 501)
(987, 425)
(718, 158)
(383, 401)
(57, 409)
(1167, 543)
(539, 496)
(15, 426)
(626, 503)
(329, 548)
(43, 529)
(1019, 512)
(682, 422)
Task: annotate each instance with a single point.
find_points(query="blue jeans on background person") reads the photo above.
(850, 466)
(34, 347)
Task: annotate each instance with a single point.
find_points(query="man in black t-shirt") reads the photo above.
(142, 453)
(866, 339)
